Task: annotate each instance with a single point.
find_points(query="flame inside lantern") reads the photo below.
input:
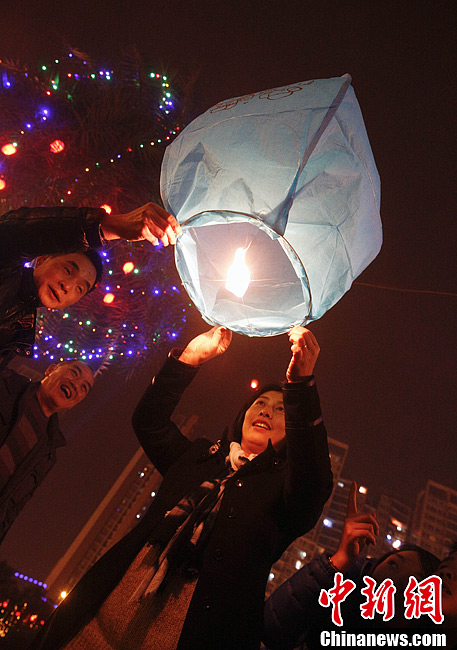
(238, 277)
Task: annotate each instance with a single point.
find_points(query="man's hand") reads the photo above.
(358, 531)
(305, 350)
(149, 222)
(206, 346)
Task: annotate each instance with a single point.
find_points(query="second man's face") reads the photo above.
(66, 384)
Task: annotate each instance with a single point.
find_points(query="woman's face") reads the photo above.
(263, 421)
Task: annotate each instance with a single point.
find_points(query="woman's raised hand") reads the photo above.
(305, 350)
(206, 346)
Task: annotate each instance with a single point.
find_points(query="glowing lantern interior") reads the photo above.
(238, 277)
(241, 274)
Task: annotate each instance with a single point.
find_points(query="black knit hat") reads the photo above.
(96, 260)
(428, 561)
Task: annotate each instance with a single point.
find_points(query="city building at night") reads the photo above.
(120, 510)
(435, 518)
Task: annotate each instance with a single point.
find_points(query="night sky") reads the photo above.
(387, 369)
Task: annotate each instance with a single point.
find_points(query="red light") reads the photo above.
(5, 603)
(128, 267)
(57, 146)
(108, 298)
(254, 384)
(9, 149)
(33, 617)
(2, 184)
(107, 208)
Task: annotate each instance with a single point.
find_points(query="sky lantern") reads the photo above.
(278, 197)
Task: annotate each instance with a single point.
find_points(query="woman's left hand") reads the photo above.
(206, 346)
(305, 350)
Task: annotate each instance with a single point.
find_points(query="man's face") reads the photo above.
(448, 573)
(65, 385)
(264, 419)
(62, 280)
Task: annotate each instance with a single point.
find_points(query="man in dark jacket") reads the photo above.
(29, 429)
(62, 241)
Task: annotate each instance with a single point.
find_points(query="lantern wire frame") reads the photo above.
(271, 304)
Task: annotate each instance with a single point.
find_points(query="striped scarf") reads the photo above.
(179, 539)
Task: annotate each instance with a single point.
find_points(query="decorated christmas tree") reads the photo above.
(76, 133)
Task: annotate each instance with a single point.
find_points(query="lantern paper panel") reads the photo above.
(287, 178)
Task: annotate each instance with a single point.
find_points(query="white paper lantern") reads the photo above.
(278, 196)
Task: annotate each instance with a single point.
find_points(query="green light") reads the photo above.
(88, 322)
(56, 60)
(92, 76)
(43, 67)
(136, 271)
(164, 77)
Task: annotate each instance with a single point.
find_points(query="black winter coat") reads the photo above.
(272, 501)
(24, 235)
(31, 469)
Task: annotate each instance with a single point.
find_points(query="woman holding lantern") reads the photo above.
(192, 573)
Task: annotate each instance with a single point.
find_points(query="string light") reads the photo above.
(124, 320)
